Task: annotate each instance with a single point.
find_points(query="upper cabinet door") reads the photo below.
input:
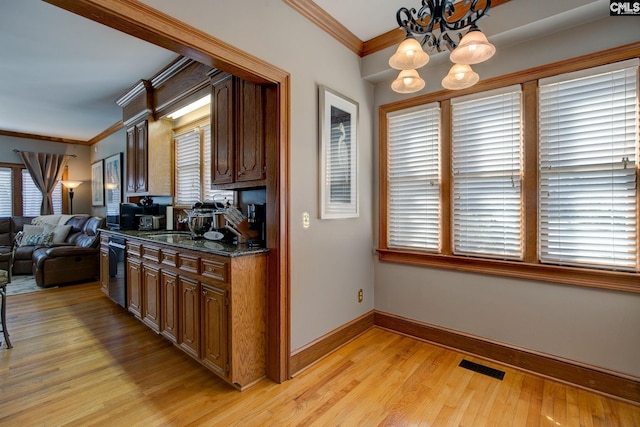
(222, 132)
(131, 178)
(142, 156)
(250, 156)
(237, 132)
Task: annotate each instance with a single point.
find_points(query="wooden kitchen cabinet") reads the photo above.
(214, 304)
(148, 158)
(237, 132)
(169, 305)
(189, 326)
(134, 286)
(212, 307)
(137, 158)
(148, 145)
(151, 306)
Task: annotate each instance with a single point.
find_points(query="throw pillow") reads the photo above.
(60, 232)
(36, 239)
(32, 229)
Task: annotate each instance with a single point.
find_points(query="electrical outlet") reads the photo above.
(360, 295)
(306, 220)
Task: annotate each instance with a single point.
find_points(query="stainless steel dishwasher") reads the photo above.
(117, 270)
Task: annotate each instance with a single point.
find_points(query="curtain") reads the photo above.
(45, 170)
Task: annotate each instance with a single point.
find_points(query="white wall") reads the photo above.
(333, 258)
(592, 326)
(79, 166)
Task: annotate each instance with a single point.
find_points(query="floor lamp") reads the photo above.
(71, 185)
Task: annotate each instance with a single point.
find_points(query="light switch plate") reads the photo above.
(306, 220)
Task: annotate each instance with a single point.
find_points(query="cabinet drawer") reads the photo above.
(150, 253)
(189, 263)
(214, 269)
(168, 257)
(133, 248)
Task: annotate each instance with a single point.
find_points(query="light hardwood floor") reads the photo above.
(78, 359)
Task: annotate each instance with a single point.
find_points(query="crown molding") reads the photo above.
(328, 23)
(42, 137)
(102, 135)
(105, 133)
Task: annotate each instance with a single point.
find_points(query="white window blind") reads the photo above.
(414, 178)
(188, 183)
(5, 192)
(486, 150)
(193, 168)
(588, 132)
(32, 197)
(209, 193)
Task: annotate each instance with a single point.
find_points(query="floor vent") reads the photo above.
(481, 369)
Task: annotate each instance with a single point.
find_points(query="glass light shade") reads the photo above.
(71, 184)
(409, 55)
(460, 76)
(408, 81)
(473, 49)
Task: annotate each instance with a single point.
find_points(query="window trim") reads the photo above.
(528, 268)
(16, 187)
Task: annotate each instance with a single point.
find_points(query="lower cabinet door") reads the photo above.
(151, 297)
(169, 305)
(134, 286)
(189, 324)
(214, 329)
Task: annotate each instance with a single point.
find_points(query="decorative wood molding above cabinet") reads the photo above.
(179, 84)
(137, 102)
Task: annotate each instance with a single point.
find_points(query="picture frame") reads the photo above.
(97, 183)
(338, 155)
(113, 187)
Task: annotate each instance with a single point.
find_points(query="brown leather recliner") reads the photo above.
(77, 260)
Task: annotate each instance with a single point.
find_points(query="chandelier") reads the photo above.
(471, 48)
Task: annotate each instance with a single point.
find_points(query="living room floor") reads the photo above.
(78, 359)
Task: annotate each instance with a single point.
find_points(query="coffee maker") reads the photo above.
(257, 217)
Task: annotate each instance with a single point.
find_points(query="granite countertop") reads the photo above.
(182, 239)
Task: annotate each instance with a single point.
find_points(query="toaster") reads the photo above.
(145, 222)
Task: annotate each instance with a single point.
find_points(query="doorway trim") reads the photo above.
(153, 26)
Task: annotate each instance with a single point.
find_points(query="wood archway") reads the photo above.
(146, 23)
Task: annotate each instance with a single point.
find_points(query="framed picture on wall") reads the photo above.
(113, 178)
(338, 129)
(97, 183)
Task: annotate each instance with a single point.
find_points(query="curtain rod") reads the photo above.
(15, 150)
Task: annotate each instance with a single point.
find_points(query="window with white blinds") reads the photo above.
(588, 132)
(6, 196)
(32, 196)
(188, 164)
(414, 178)
(486, 162)
(193, 168)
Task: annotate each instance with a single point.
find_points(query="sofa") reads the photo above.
(9, 228)
(56, 249)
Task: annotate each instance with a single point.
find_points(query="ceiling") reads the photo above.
(61, 73)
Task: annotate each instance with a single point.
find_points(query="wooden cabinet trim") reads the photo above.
(189, 263)
(211, 307)
(150, 253)
(212, 269)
